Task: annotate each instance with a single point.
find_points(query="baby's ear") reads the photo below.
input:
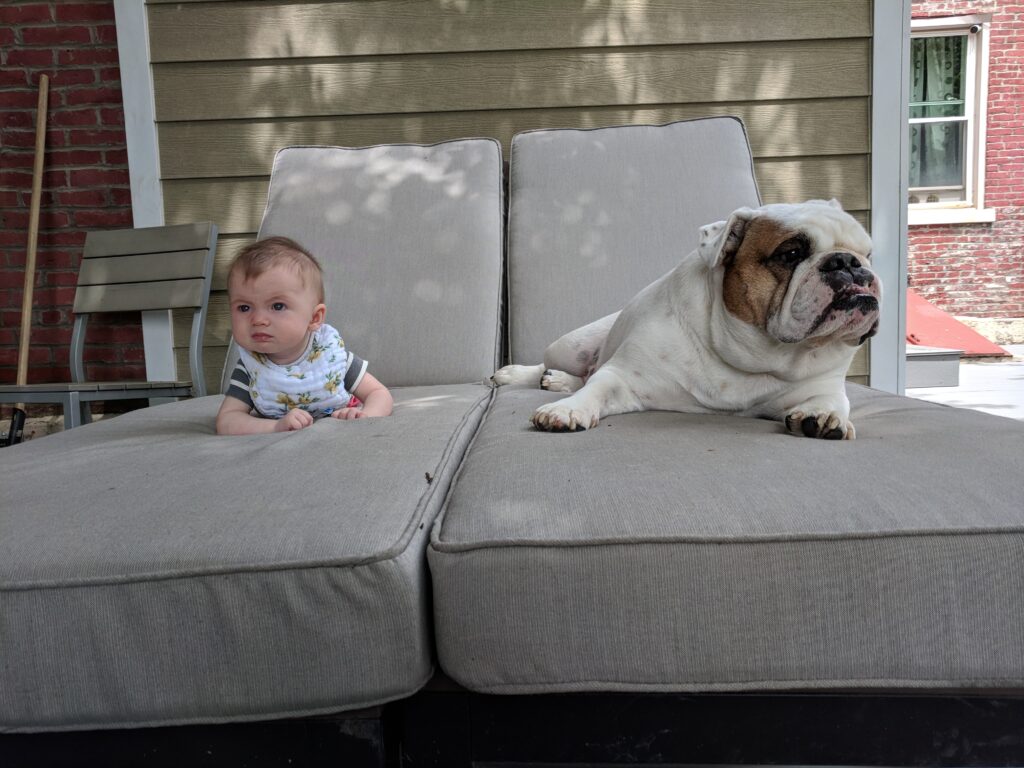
(319, 313)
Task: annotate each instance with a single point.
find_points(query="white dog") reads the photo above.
(762, 320)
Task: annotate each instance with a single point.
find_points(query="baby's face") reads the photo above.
(271, 314)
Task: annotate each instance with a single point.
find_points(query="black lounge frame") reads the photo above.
(453, 728)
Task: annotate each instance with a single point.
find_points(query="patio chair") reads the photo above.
(152, 268)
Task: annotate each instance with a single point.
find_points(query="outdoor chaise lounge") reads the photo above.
(664, 588)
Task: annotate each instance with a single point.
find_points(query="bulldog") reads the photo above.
(761, 320)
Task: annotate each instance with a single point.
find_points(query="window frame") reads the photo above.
(976, 28)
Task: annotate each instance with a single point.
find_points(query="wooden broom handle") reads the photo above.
(33, 232)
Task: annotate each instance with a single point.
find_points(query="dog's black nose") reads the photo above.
(845, 262)
(841, 269)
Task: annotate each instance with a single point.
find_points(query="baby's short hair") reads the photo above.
(256, 258)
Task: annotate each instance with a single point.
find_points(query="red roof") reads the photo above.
(929, 326)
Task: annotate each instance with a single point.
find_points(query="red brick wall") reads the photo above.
(977, 270)
(85, 184)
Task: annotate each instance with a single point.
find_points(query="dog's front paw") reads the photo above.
(827, 426)
(555, 417)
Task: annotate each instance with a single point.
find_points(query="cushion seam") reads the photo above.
(442, 546)
(439, 520)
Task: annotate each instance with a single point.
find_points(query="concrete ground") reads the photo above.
(992, 386)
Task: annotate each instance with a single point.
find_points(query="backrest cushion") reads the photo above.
(595, 215)
(410, 239)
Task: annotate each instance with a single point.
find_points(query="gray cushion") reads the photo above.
(410, 237)
(152, 572)
(596, 215)
(666, 551)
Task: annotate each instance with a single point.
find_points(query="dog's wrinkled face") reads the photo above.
(798, 272)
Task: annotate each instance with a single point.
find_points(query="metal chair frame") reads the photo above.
(152, 268)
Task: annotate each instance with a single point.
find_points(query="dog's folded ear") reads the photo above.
(721, 240)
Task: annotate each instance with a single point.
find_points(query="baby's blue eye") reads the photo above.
(278, 306)
(242, 307)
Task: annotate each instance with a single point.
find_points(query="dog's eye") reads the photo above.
(790, 253)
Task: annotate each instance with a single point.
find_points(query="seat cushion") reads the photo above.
(680, 552)
(152, 572)
(410, 237)
(597, 214)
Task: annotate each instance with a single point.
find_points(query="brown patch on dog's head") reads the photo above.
(759, 269)
(796, 272)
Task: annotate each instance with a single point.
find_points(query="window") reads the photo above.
(948, 94)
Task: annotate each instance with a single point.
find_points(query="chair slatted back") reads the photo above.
(145, 269)
(124, 297)
(151, 268)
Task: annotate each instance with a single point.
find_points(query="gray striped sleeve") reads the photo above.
(355, 372)
(239, 388)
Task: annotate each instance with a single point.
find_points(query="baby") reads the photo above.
(294, 368)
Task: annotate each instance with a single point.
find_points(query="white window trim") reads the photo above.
(890, 167)
(144, 169)
(971, 211)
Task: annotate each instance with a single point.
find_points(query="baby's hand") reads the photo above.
(295, 419)
(349, 413)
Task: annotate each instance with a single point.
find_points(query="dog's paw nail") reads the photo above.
(793, 422)
(824, 426)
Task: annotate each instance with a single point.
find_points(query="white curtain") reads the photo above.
(936, 76)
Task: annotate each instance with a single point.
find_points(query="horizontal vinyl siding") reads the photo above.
(512, 79)
(235, 81)
(224, 148)
(260, 30)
